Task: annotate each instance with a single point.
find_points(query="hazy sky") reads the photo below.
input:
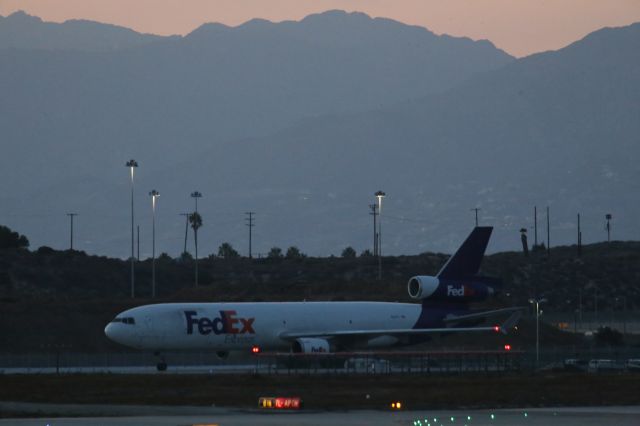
(520, 27)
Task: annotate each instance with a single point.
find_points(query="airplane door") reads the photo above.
(152, 332)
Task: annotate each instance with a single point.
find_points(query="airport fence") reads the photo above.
(431, 362)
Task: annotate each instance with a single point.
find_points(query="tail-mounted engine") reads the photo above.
(462, 290)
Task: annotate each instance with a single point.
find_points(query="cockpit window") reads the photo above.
(124, 320)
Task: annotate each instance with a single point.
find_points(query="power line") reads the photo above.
(405, 219)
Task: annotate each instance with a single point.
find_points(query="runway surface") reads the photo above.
(191, 416)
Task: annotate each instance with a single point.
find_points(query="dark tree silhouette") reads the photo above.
(10, 239)
(293, 252)
(349, 252)
(275, 253)
(366, 253)
(227, 251)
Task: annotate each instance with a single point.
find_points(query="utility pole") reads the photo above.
(535, 226)
(548, 235)
(250, 224)
(186, 229)
(71, 215)
(476, 210)
(579, 237)
(374, 208)
(608, 226)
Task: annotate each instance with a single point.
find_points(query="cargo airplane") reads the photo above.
(314, 327)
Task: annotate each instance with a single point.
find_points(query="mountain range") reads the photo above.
(23, 31)
(302, 121)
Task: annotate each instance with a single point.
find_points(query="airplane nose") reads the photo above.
(114, 332)
(108, 331)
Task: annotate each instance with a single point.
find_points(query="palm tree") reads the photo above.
(196, 222)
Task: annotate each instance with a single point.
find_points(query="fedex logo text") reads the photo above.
(456, 292)
(226, 323)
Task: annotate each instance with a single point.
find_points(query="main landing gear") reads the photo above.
(162, 364)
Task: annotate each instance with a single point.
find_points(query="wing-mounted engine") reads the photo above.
(309, 345)
(459, 290)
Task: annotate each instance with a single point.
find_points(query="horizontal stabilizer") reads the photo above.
(483, 314)
(511, 321)
(508, 324)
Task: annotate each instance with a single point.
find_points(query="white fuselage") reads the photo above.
(240, 326)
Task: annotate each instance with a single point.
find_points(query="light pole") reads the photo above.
(537, 302)
(132, 164)
(154, 195)
(195, 195)
(608, 226)
(380, 195)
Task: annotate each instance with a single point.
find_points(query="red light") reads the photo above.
(255, 350)
(287, 403)
(496, 328)
(280, 402)
(507, 347)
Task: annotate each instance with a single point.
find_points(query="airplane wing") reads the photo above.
(516, 313)
(382, 332)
